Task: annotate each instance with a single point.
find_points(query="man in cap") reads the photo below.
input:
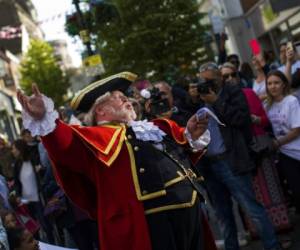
(134, 177)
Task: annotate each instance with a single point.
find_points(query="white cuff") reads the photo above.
(200, 143)
(44, 126)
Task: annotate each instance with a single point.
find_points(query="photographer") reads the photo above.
(160, 103)
(227, 166)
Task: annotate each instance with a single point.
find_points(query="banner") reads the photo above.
(10, 32)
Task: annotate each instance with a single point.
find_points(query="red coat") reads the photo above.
(95, 167)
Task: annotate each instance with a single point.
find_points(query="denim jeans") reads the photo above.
(221, 185)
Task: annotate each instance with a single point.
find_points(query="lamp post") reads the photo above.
(84, 32)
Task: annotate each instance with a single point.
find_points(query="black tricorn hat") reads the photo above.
(86, 97)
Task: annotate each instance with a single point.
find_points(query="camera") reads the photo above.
(159, 104)
(204, 86)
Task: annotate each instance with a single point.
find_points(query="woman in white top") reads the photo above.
(25, 176)
(283, 111)
(25, 180)
(259, 84)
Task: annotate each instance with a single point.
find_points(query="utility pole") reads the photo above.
(84, 32)
(92, 63)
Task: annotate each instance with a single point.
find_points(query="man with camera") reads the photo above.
(226, 165)
(161, 102)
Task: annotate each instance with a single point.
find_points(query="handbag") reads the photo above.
(56, 205)
(261, 146)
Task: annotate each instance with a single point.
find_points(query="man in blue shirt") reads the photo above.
(227, 165)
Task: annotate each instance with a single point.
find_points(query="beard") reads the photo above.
(124, 113)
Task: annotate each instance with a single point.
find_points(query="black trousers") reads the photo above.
(180, 229)
(290, 169)
(85, 234)
(36, 212)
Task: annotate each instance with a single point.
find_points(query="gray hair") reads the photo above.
(89, 118)
(228, 65)
(208, 66)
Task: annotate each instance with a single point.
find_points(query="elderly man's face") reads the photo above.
(118, 107)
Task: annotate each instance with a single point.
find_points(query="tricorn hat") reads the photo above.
(86, 97)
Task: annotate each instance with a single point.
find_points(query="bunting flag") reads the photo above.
(10, 32)
(56, 17)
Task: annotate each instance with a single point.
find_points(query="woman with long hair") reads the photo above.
(266, 183)
(259, 85)
(283, 110)
(26, 184)
(24, 174)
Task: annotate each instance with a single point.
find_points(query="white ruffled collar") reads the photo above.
(147, 131)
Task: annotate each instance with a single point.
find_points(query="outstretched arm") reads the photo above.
(38, 114)
(40, 118)
(33, 105)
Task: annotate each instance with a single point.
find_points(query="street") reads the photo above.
(295, 236)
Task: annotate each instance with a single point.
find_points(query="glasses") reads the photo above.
(232, 75)
(208, 66)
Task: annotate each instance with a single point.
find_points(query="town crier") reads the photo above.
(135, 177)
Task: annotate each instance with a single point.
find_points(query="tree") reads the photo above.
(158, 38)
(40, 66)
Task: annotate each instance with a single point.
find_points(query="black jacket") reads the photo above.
(232, 109)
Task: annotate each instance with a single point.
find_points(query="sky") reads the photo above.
(51, 15)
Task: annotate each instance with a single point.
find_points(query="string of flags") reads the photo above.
(69, 11)
(10, 32)
(55, 17)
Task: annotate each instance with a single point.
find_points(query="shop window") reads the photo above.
(2, 68)
(8, 80)
(5, 74)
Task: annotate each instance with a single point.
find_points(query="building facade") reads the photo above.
(268, 21)
(9, 106)
(62, 54)
(21, 16)
(18, 24)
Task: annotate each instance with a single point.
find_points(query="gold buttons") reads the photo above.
(142, 170)
(145, 192)
(136, 148)
(129, 137)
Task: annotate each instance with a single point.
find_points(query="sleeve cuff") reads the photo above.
(200, 143)
(44, 126)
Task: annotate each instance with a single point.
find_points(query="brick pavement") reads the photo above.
(294, 234)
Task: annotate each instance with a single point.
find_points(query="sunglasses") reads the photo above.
(234, 61)
(226, 76)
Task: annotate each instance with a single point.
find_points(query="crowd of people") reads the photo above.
(251, 160)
